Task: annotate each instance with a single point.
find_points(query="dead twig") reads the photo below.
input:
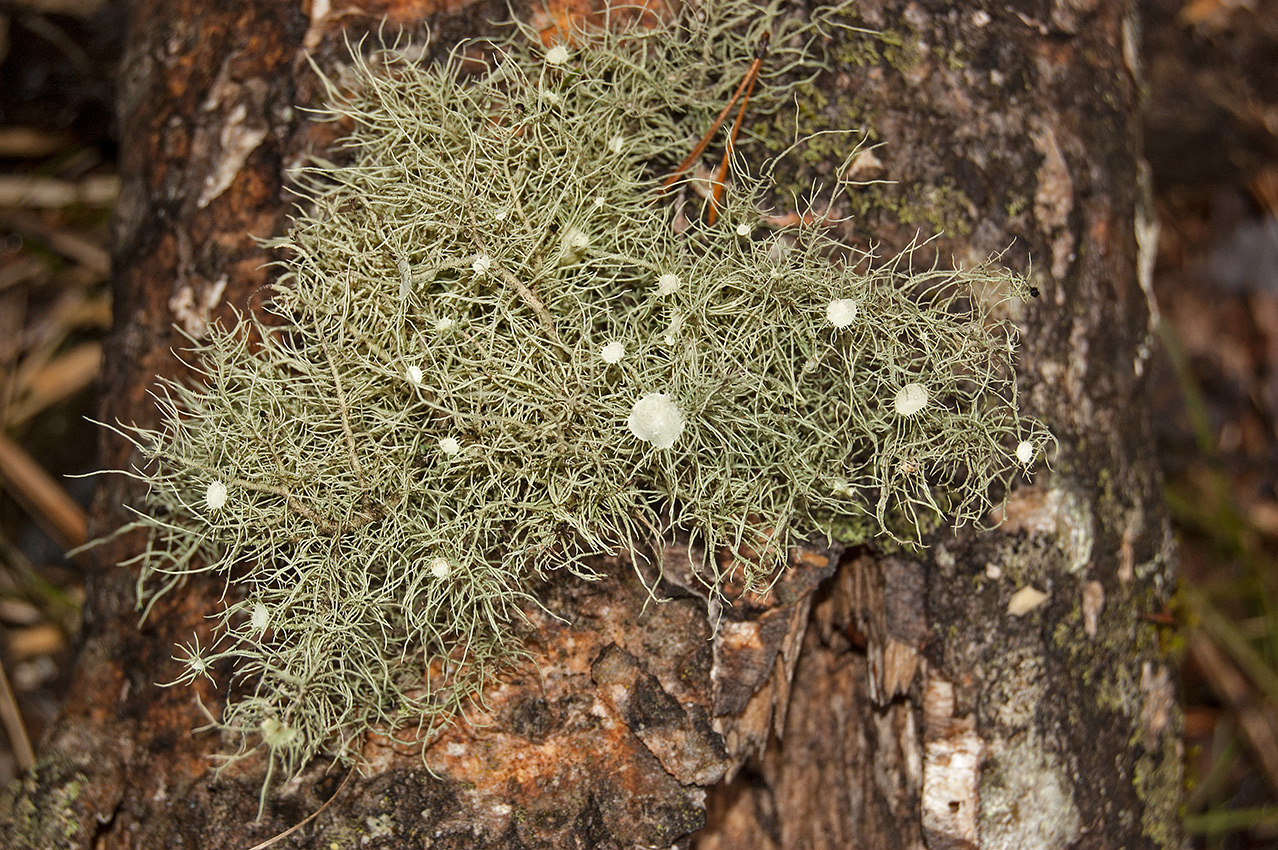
(59, 379)
(1254, 714)
(44, 501)
(13, 725)
(33, 192)
(71, 245)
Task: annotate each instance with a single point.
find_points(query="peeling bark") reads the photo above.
(869, 701)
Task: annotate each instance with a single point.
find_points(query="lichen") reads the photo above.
(1027, 798)
(1108, 667)
(1158, 779)
(52, 824)
(482, 286)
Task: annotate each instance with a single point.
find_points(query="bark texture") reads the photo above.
(870, 701)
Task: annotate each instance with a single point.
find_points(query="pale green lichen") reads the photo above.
(473, 299)
(54, 822)
(1025, 768)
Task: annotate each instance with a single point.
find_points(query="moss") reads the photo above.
(941, 207)
(899, 49)
(956, 56)
(861, 49)
(52, 824)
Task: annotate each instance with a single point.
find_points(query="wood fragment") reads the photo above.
(43, 499)
(1259, 726)
(35, 641)
(31, 143)
(69, 244)
(13, 725)
(58, 380)
(32, 192)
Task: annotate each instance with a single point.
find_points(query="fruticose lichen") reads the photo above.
(497, 349)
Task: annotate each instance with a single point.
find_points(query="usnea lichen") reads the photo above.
(496, 350)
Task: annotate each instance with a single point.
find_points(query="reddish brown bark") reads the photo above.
(870, 701)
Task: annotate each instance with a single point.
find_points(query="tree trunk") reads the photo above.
(871, 701)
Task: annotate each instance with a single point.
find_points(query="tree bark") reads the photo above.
(871, 701)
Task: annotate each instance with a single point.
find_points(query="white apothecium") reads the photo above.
(1025, 452)
(910, 399)
(612, 352)
(557, 55)
(841, 312)
(656, 419)
(215, 496)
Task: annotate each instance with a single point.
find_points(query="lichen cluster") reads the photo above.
(495, 349)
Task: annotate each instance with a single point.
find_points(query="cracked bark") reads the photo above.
(869, 702)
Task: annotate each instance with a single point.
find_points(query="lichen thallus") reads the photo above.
(483, 300)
